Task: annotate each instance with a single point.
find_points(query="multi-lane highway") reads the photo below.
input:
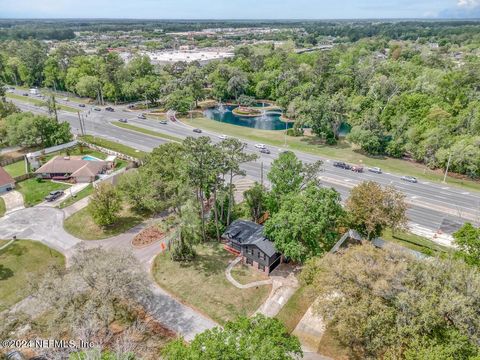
(434, 207)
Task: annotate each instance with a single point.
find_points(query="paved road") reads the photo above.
(434, 206)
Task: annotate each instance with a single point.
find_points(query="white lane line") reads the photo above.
(445, 188)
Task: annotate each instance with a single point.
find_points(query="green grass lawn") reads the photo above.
(34, 190)
(81, 225)
(78, 196)
(293, 311)
(343, 151)
(99, 141)
(416, 242)
(245, 274)
(22, 262)
(146, 131)
(15, 169)
(2, 207)
(203, 285)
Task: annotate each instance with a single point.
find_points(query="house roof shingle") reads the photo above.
(5, 178)
(75, 166)
(245, 232)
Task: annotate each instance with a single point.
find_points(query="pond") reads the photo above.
(267, 121)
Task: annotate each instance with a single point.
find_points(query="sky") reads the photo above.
(240, 9)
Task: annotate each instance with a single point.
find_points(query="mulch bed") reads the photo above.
(148, 236)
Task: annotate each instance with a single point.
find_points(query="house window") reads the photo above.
(249, 261)
(264, 256)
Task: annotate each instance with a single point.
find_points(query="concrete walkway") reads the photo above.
(235, 283)
(283, 284)
(13, 201)
(75, 207)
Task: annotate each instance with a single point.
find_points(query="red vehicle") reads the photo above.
(358, 169)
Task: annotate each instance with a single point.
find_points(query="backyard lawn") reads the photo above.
(22, 262)
(2, 207)
(416, 242)
(82, 226)
(203, 285)
(343, 151)
(34, 190)
(15, 169)
(78, 196)
(246, 274)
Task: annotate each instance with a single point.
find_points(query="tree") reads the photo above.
(289, 175)
(256, 201)
(388, 304)
(193, 78)
(258, 337)
(188, 233)
(307, 223)
(105, 204)
(467, 238)
(373, 208)
(233, 156)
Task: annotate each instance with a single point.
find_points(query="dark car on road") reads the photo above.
(163, 122)
(409, 179)
(141, 116)
(109, 108)
(341, 165)
(265, 151)
(54, 195)
(97, 109)
(81, 105)
(123, 120)
(25, 94)
(198, 131)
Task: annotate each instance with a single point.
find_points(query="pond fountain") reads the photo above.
(259, 118)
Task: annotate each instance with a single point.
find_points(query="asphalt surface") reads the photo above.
(433, 206)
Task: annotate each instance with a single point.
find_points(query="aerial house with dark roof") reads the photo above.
(245, 238)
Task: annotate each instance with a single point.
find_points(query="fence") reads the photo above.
(5, 162)
(109, 152)
(24, 177)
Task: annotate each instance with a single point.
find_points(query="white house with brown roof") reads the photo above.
(7, 183)
(72, 167)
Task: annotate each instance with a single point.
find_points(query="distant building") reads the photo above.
(245, 238)
(201, 56)
(7, 183)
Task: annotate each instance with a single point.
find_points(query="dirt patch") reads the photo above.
(148, 236)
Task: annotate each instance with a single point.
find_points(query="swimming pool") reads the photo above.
(90, 158)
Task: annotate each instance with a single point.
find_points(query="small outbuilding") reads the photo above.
(245, 238)
(7, 182)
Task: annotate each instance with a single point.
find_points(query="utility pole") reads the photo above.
(82, 125)
(446, 170)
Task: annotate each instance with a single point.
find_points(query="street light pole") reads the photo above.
(446, 170)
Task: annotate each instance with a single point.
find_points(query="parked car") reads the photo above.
(358, 169)
(265, 151)
(81, 105)
(260, 146)
(109, 108)
(53, 195)
(141, 116)
(97, 109)
(223, 137)
(25, 94)
(163, 122)
(409, 179)
(123, 120)
(342, 165)
(198, 131)
(375, 170)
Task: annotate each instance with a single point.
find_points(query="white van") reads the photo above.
(34, 91)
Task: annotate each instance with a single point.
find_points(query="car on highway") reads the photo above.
(198, 131)
(131, 106)
(97, 109)
(410, 179)
(81, 105)
(265, 151)
(358, 169)
(65, 99)
(342, 165)
(223, 137)
(53, 195)
(141, 116)
(163, 122)
(123, 120)
(109, 108)
(25, 94)
(375, 170)
(260, 146)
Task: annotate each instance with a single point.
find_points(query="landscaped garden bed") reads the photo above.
(148, 236)
(202, 284)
